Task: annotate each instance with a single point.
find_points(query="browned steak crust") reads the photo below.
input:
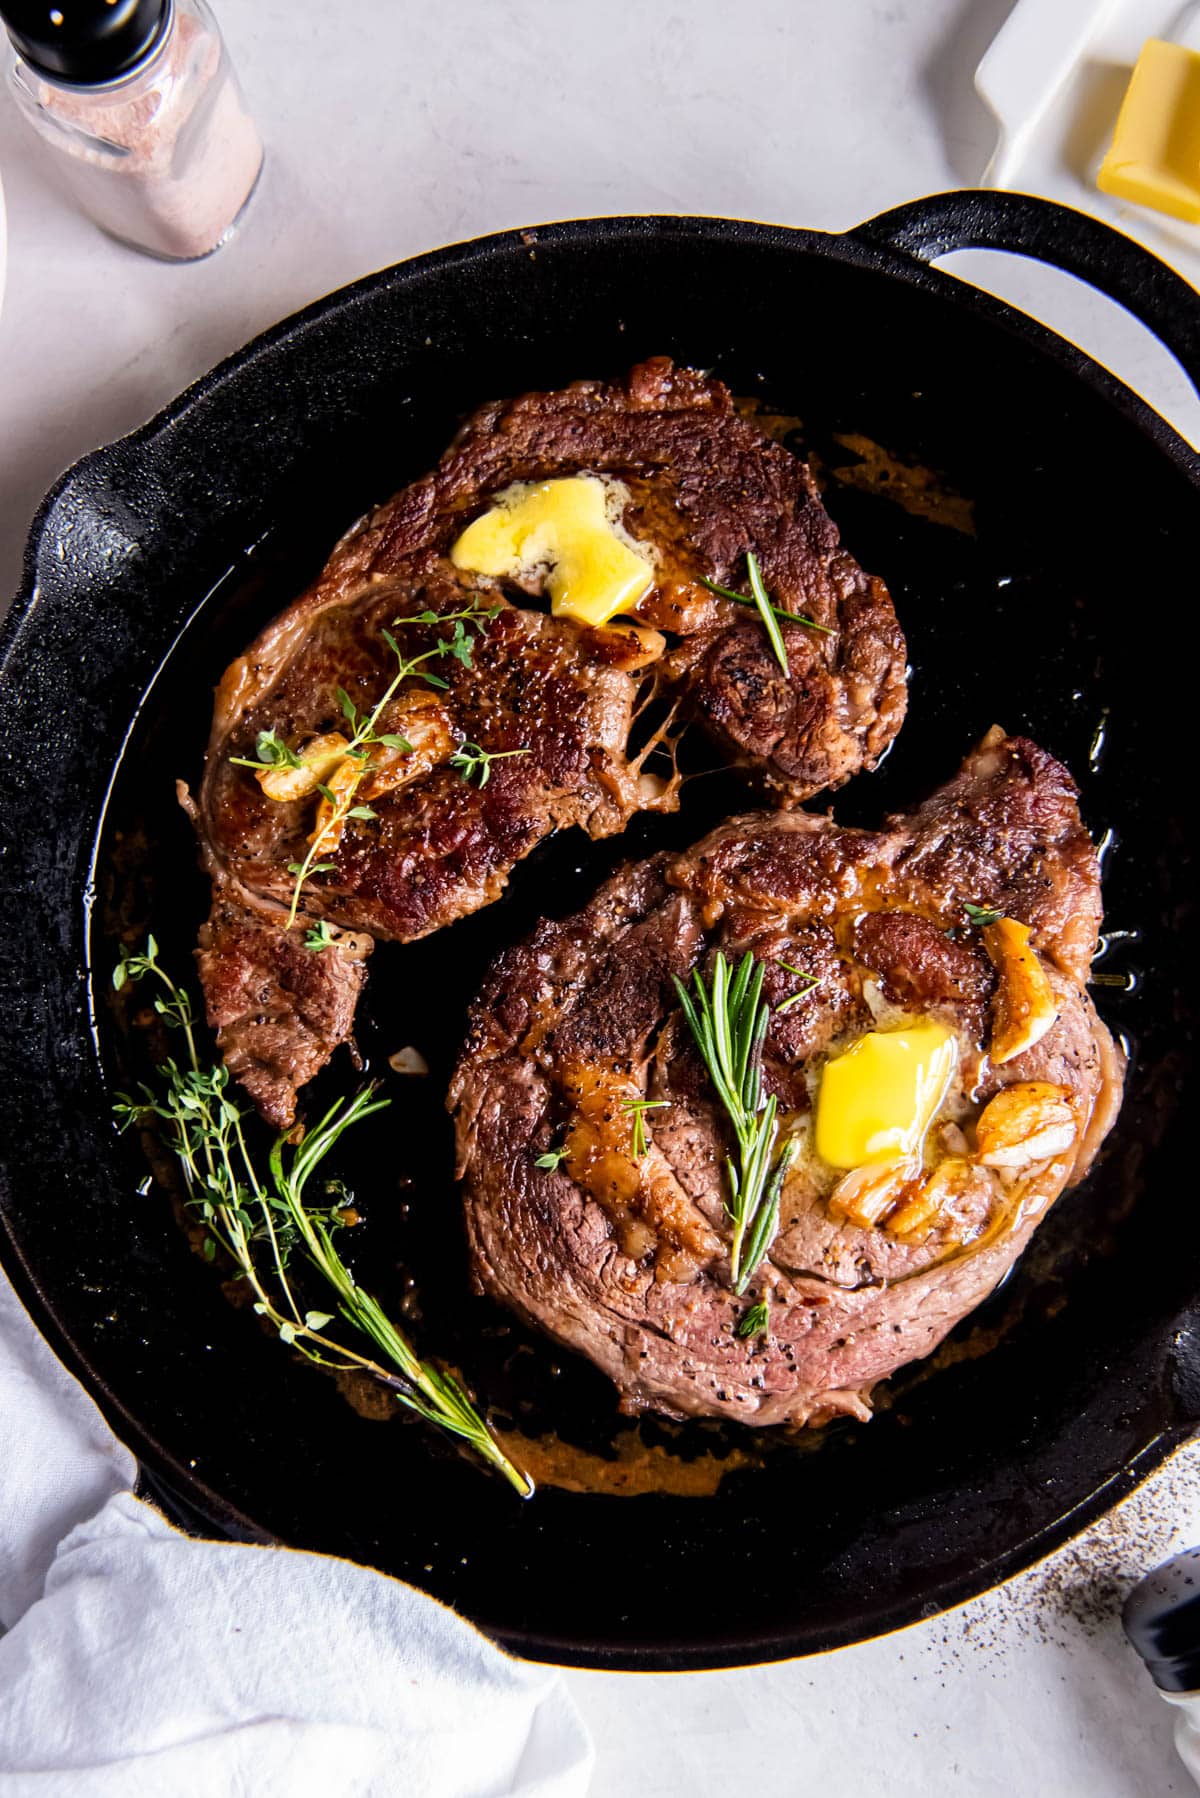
(626, 1258)
(706, 486)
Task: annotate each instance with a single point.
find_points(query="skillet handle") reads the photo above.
(983, 219)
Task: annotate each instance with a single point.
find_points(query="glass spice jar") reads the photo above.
(140, 103)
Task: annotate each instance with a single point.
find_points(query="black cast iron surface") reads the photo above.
(1057, 614)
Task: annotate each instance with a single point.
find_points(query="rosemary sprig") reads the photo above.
(240, 1211)
(637, 1109)
(768, 610)
(810, 980)
(470, 760)
(729, 1024)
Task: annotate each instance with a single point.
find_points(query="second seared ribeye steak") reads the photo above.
(527, 727)
(971, 922)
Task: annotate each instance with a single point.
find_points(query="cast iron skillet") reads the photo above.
(1057, 614)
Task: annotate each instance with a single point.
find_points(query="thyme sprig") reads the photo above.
(768, 611)
(366, 735)
(472, 761)
(258, 1221)
(270, 750)
(729, 1024)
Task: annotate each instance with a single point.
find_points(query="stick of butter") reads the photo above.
(1154, 157)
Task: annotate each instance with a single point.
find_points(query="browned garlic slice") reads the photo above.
(944, 1182)
(863, 1195)
(1023, 1008)
(1031, 1121)
(320, 758)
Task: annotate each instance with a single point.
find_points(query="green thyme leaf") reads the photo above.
(980, 915)
(473, 762)
(551, 1158)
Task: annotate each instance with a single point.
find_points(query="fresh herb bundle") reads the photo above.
(729, 1023)
(260, 1220)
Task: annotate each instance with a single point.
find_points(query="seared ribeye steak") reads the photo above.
(552, 700)
(620, 1246)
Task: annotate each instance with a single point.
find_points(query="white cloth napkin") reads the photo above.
(141, 1663)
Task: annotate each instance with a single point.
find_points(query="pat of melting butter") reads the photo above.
(567, 526)
(877, 1100)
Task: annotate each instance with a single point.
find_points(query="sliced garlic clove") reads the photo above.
(1031, 1121)
(917, 1216)
(321, 758)
(865, 1194)
(1023, 1008)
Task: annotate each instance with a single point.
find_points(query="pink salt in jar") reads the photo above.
(140, 104)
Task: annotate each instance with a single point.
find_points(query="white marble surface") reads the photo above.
(457, 119)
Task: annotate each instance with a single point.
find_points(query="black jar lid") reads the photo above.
(85, 42)
(1162, 1620)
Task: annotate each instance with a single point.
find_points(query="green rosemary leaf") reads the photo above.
(756, 1321)
(765, 611)
(744, 599)
(810, 981)
(637, 1109)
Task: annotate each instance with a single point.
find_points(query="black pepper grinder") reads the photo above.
(1162, 1620)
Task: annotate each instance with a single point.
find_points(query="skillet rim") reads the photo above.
(851, 247)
